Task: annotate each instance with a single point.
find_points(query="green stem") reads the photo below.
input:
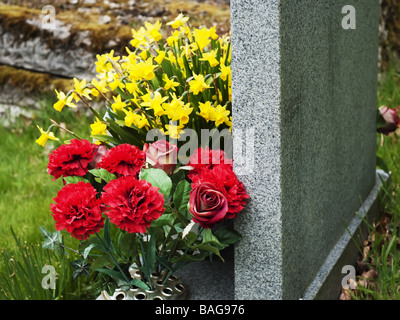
(108, 250)
(148, 271)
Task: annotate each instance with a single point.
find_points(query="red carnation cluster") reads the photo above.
(78, 210)
(71, 159)
(206, 158)
(124, 159)
(132, 204)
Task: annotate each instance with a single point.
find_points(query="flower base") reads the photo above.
(172, 289)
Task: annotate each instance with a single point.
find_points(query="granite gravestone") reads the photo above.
(307, 85)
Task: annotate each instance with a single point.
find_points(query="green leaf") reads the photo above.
(52, 240)
(111, 273)
(208, 237)
(106, 138)
(209, 248)
(87, 250)
(74, 179)
(158, 178)
(80, 268)
(164, 220)
(103, 174)
(128, 244)
(140, 284)
(181, 196)
(227, 235)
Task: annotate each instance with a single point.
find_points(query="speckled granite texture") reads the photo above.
(308, 88)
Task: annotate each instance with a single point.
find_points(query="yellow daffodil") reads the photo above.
(63, 100)
(160, 57)
(138, 120)
(104, 64)
(132, 87)
(210, 57)
(173, 38)
(153, 30)
(174, 131)
(98, 86)
(198, 84)
(171, 57)
(207, 111)
(221, 115)
(169, 83)
(144, 70)
(179, 21)
(154, 103)
(202, 37)
(178, 110)
(44, 137)
(118, 104)
(213, 34)
(81, 90)
(225, 72)
(139, 38)
(117, 83)
(98, 127)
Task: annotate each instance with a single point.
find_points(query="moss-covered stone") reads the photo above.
(32, 82)
(116, 33)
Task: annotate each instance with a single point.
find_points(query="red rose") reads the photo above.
(71, 159)
(392, 120)
(162, 155)
(207, 205)
(132, 204)
(125, 159)
(78, 210)
(226, 182)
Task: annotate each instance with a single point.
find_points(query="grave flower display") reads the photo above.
(138, 193)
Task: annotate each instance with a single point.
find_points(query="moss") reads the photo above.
(32, 82)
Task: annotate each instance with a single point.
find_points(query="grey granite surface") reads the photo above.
(308, 88)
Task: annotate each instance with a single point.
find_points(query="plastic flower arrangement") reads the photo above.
(141, 201)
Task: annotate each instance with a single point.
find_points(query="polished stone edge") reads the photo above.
(327, 283)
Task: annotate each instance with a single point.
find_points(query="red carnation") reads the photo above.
(78, 210)
(71, 159)
(206, 158)
(226, 182)
(124, 159)
(132, 204)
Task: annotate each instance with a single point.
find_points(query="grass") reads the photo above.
(26, 191)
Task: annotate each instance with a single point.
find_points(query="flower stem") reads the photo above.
(108, 250)
(65, 129)
(148, 271)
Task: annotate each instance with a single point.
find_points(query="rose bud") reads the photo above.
(161, 155)
(207, 205)
(99, 152)
(391, 118)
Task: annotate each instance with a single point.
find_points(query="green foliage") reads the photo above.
(22, 276)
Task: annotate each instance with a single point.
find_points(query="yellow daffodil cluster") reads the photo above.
(182, 80)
